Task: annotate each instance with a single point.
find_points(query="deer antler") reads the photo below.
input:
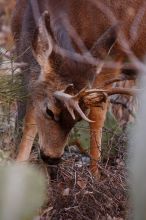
(90, 98)
(72, 103)
(113, 91)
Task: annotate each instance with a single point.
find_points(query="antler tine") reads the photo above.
(122, 91)
(71, 103)
(113, 91)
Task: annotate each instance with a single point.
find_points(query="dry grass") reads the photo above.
(73, 193)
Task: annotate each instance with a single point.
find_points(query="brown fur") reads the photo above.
(57, 72)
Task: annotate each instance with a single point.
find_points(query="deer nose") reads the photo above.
(50, 160)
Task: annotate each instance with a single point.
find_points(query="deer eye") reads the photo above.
(49, 113)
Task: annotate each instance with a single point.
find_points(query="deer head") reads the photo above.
(57, 94)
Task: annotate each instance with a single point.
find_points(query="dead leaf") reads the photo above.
(66, 192)
(82, 184)
(87, 192)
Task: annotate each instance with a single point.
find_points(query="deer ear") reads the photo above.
(42, 42)
(103, 45)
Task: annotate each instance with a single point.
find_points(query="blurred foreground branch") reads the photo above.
(22, 192)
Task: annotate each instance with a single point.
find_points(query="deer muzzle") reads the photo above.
(50, 160)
